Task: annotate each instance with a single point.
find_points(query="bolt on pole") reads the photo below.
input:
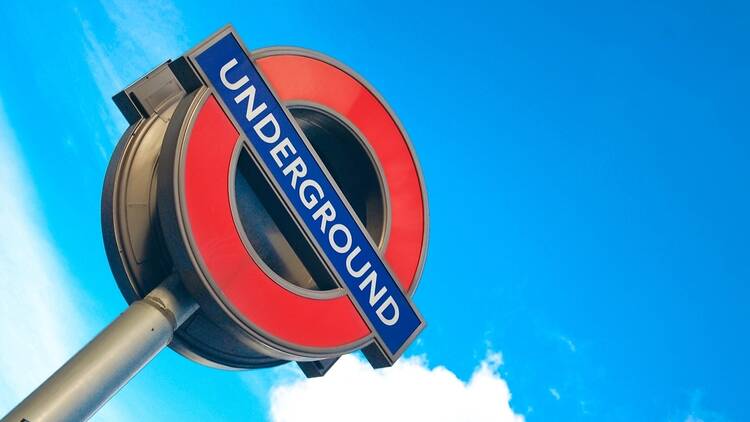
(90, 378)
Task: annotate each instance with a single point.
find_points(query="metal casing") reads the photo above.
(140, 231)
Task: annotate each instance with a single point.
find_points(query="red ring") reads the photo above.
(325, 325)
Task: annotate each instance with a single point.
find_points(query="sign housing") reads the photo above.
(269, 283)
(290, 164)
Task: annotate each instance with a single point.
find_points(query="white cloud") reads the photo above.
(146, 34)
(697, 412)
(40, 323)
(568, 342)
(410, 390)
(107, 80)
(554, 393)
(151, 29)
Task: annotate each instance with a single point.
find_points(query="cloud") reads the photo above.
(410, 390)
(144, 35)
(107, 80)
(152, 29)
(568, 342)
(555, 393)
(698, 412)
(35, 288)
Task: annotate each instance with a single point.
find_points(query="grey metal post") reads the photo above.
(81, 386)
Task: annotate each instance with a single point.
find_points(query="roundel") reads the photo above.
(237, 254)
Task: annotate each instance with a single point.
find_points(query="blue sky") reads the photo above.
(587, 171)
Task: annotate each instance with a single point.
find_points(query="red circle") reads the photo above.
(281, 315)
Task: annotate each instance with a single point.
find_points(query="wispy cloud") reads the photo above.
(568, 342)
(151, 29)
(35, 288)
(143, 35)
(555, 394)
(410, 390)
(698, 412)
(107, 80)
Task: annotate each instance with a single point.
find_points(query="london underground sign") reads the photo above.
(261, 208)
(290, 164)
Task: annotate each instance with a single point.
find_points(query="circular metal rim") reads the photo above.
(110, 224)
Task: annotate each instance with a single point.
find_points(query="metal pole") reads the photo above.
(80, 387)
